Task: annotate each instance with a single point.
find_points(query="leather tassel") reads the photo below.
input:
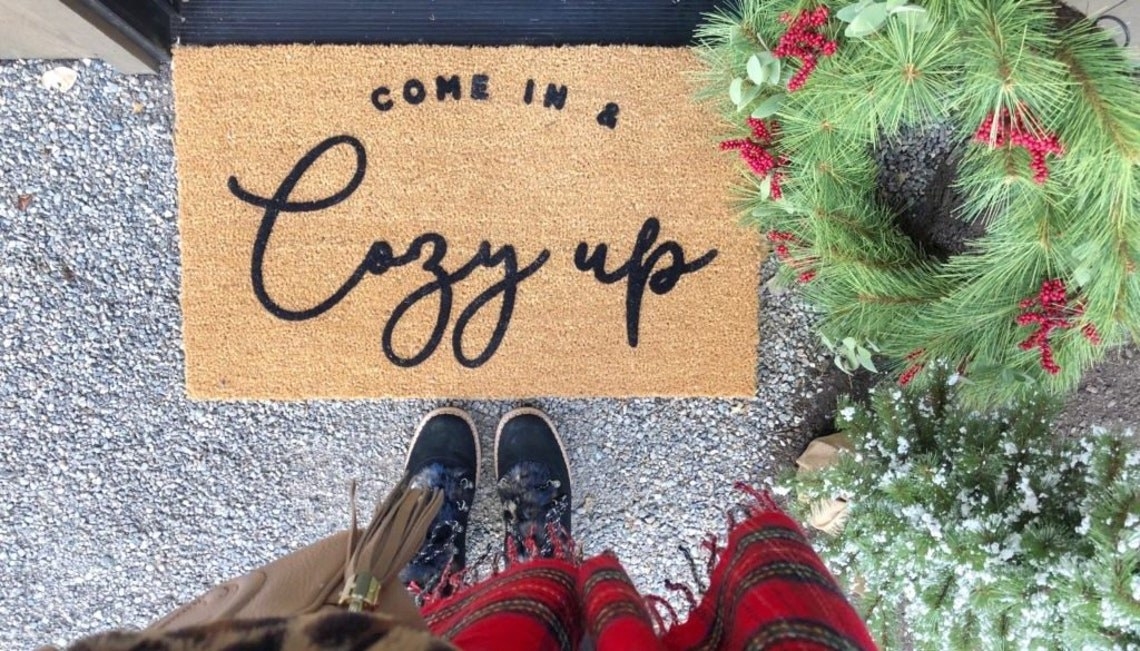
(389, 542)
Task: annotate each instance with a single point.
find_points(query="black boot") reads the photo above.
(533, 482)
(444, 455)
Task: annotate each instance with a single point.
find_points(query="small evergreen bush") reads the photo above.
(982, 530)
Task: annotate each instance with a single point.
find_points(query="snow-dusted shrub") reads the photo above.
(982, 530)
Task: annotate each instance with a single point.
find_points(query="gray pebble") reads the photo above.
(908, 161)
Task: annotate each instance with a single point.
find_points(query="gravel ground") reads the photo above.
(1109, 396)
(120, 498)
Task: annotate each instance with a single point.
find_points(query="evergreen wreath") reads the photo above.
(1046, 120)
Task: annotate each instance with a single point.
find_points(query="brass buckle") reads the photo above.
(361, 593)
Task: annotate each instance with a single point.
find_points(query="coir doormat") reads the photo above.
(456, 222)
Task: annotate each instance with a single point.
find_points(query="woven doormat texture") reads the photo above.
(421, 221)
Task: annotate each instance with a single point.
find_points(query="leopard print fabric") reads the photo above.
(330, 631)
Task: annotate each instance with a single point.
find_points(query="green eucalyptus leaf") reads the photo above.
(843, 365)
(1084, 257)
(736, 91)
(865, 360)
(849, 343)
(914, 17)
(756, 72)
(750, 93)
(773, 68)
(765, 57)
(848, 13)
(893, 5)
(766, 188)
(768, 107)
(1082, 275)
(868, 21)
(858, 29)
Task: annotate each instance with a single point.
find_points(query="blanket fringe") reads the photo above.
(756, 502)
(455, 583)
(653, 603)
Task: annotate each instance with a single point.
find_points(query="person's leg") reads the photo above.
(533, 605)
(443, 455)
(616, 617)
(529, 606)
(770, 590)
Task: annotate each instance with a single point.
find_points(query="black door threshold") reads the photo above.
(441, 22)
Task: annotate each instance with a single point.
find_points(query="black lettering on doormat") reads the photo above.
(479, 85)
(608, 117)
(555, 96)
(431, 247)
(639, 270)
(450, 87)
(381, 99)
(646, 267)
(414, 91)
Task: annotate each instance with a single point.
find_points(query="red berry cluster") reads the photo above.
(1012, 130)
(1090, 333)
(804, 41)
(915, 368)
(1052, 314)
(755, 150)
(782, 239)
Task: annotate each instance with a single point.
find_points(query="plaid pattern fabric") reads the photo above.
(767, 590)
(616, 615)
(532, 606)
